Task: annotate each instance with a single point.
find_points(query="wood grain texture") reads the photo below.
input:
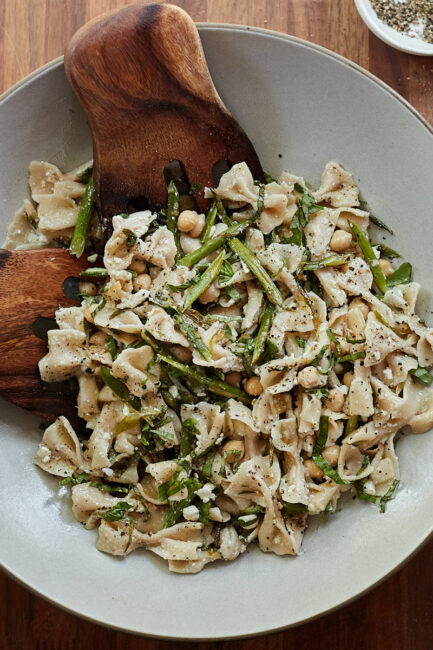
(397, 614)
(159, 105)
(20, 349)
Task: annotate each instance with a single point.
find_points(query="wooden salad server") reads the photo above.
(142, 79)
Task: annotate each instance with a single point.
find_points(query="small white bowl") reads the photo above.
(389, 35)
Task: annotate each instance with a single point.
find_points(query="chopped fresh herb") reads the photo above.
(131, 238)
(207, 467)
(335, 341)
(402, 275)
(300, 341)
(195, 189)
(120, 389)
(268, 178)
(116, 512)
(226, 272)
(111, 346)
(317, 453)
(422, 375)
(232, 293)
(388, 495)
(317, 359)
(75, 480)
(293, 509)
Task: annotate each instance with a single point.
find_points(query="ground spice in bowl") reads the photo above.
(411, 17)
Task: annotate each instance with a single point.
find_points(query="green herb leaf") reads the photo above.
(402, 275)
(317, 453)
(422, 375)
(111, 346)
(232, 293)
(386, 497)
(120, 389)
(117, 512)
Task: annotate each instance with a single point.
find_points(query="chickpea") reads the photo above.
(331, 454)
(253, 386)
(98, 338)
(309, 377)
(142, 281)
(187, 220)
(340, 240)
(139, 266)
(335, 400)
(87, 287)
(198, 228)
(312, 469)
(184, 355)
(386, 267)
(338, 368)
(210, 295)
(234, 446)
(358, 303)
(233, 378)
(348, 378)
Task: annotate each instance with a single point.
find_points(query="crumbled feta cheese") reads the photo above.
(108, 471)
(44, 453)
(377, 355)
(387, 373)
(191, 513)
(369, 488)
(93, 258)
(205, 493)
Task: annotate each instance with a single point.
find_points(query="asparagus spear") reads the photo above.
(331, 260)
(212, 385)
(317, 452)
(213, 245)
(211, 273)
(173, 212)
(210, 220)
(257, 269)
(370, 257)
(78, 241)
(263, 332)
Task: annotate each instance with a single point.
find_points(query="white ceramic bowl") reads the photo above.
(389, 35)
(302, 106)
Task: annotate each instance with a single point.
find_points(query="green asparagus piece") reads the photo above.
(78, 241)
(173, 212)
(370, 257)
(331, 260)
(213, 245)
(257, 269)
(210, 220)
(95, 272)
(212, 385)
(263, 332)
(211, 273)
(188, 329)
(351, 425)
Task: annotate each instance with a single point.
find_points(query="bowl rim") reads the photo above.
(391, 36)
(205, 26)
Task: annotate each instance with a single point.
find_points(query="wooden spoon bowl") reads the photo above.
(141, 76)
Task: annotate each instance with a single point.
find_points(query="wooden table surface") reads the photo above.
(397, 614)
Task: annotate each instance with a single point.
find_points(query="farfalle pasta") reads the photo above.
(237, 372)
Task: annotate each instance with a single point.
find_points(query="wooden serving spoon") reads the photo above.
(142, 79)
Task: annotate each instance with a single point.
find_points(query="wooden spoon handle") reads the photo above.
(141, 76)
(31, 284)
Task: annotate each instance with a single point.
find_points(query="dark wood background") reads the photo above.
(397, 615)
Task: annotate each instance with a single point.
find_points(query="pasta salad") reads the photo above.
(237, 371)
